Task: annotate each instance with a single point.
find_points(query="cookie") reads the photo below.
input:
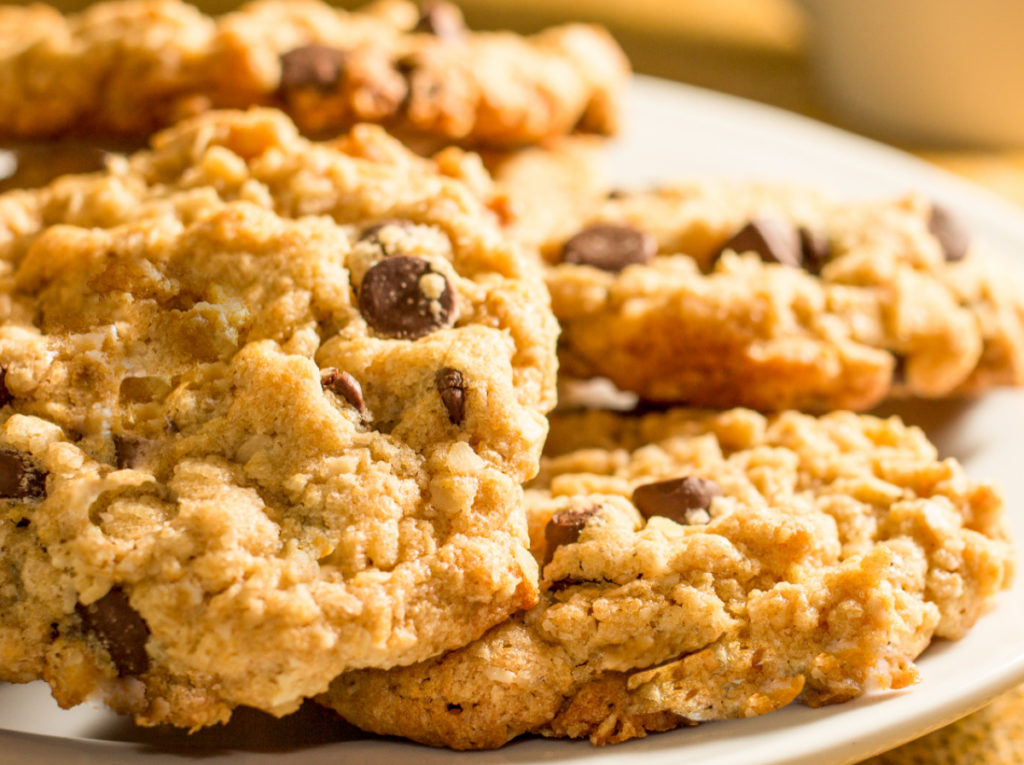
(267, 406)
(701, 566)
(130, 67)
(724, 295)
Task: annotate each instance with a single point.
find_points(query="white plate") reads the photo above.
(675, 131)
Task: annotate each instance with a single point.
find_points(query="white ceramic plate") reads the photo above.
(675, 131)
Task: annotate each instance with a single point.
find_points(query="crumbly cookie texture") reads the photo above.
(736, 295)
(132, 66)
(707, 566)
(267, 407)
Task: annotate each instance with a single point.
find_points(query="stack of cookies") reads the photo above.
(279, 391)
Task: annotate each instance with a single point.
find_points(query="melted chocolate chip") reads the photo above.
(815, 249)
(442, 20)
(318, 67)
(563, 529)
(675, 498)
(404, 297)
(5, 395)
(37, 164)
(452, 387)
(345, 385)
(610, 247)
(120, 630)
(20, 478)
(126, 450)
(455, 709)
(950, 232)
(774, 241)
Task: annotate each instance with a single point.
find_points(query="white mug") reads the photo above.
(928, 72)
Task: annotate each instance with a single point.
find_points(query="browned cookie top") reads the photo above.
(129, 67)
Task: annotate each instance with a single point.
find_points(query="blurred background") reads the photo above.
(960, 61)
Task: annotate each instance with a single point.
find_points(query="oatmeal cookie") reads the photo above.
(736, 295)
(129, 67)
(267, 407)
(707, 566)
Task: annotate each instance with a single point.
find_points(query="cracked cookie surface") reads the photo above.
(131, 67)
(267, 410)
(707, 566)
(722, 294)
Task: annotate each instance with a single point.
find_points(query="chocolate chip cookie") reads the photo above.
(267, 406)
(129, 67)
(701, 566)
(729, 294)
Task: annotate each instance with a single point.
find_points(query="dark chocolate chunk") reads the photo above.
(22, 523)
(318, 67)
(610, 247)
(675, 498)
(120, 630)
(774, 241)
(441, 19)
(950, 232)
(20, 478)
(345, 385)
(452, 387)
(397, 300)
(5, 395)
(815, 249)
(564, 528)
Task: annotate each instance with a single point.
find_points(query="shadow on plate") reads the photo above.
(248, 731)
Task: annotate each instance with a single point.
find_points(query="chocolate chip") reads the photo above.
(120, 630)
(610, 247)
(452, 387)
(20, 478)
(455, 709)
(899, 369)
(22, 523)
(563, 529)
(319, 67)
(404, 297)
(5, 395)
(950, 232)
(815, 249)
(345, 385)
(37, 164)
(441, 19)
(372, 232)
(773, 240)
(676, 498)
(126, 450)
